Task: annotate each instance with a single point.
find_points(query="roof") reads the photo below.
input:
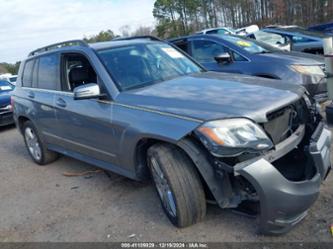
(298, 30)
(211, 29)
(117, 43)
(96, 46)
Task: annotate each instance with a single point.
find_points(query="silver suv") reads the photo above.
(140, 107)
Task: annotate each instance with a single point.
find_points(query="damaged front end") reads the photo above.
(283, 177)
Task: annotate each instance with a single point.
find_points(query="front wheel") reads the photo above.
(178, 184)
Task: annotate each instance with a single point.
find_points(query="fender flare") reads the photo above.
(219, 187)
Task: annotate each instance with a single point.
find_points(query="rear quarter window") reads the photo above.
(48, 72)
(27, 73)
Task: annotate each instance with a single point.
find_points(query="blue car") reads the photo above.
(327, 28)
(6, 114)
(235, 54)
(302, 40)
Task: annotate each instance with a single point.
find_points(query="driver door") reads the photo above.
(205, 51)
(85, 126)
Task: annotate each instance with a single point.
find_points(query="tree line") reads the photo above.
(181, 17)
(11, 68)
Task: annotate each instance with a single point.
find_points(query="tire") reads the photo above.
(178, 184)
(36, 146)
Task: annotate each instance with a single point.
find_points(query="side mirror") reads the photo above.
(223, 58)
(87, 91)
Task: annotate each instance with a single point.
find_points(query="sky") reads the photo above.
(26, 25)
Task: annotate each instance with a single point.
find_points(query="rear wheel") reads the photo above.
(178, 185)
(35, 146)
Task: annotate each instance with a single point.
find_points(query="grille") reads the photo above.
(283, 122)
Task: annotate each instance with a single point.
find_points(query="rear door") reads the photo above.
(39, 87)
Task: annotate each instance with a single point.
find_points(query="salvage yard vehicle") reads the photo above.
(235, 54)
(9, 77)
(326, 28)
(302, 40)
(6, 113)
(274, 40)
(218, 31)
(141, 108)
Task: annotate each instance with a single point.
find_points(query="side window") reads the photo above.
(183, 46)
(205, 51)
(77, 71)
(300, 39)
(238, 57)
(35, 75)
(48, 72)
(27, 73)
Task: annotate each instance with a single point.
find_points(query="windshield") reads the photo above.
(140, 65)
(251, 46)
(269, 38)
(5, 86)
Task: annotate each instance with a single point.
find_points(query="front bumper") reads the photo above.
(6, 118)
(284, 203)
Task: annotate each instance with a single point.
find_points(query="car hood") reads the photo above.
(295, 58)
(210, 95)
(5, 98)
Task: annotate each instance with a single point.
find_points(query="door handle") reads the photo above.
(60, 102)
(31, 95)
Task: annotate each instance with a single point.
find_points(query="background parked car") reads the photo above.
(230, 31)
(275, 40)
(219, 31)
(234, 54)
(6, 114)
(327, 28)
(9, 77)
(247, 30)
(302, 40)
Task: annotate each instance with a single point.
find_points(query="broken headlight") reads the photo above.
(232, 137)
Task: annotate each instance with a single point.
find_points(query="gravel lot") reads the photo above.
(41, 204)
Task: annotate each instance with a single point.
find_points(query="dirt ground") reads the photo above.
(41, 204)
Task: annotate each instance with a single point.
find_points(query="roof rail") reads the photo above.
(149, 37)
(58, 45)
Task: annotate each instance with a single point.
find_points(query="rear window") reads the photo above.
(27, 73)
(48, 72)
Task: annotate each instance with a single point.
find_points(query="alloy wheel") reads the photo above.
(163, 188)
(33, 144)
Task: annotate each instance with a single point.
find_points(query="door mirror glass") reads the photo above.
(223, 58)
(87, 91)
